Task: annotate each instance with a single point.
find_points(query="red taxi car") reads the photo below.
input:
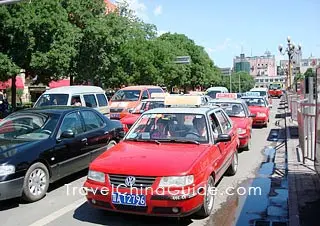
(144, 106)
(275, 90)
(238, 111)
(167, 165)
(259, 107)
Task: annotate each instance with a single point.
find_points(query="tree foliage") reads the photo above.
(246, 82)
(56, 39)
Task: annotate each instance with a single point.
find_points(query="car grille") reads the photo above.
(140, 182)
(116, 110)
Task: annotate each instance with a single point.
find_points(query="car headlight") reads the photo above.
(241, 131)
(179, 181)
(7, 170)
(96, 176)
(260, 114)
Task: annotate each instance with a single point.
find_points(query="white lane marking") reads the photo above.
(46, 220)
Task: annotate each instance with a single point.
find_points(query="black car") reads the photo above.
(41, 145)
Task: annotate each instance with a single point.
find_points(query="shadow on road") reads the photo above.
(86, 213)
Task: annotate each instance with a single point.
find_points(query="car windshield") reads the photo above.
(31, 126)
(232, 109)
(275, 86)
(171, 127)
(260, 102)
(262, 93)
(213, 93)
(52, 99)
(126, 95)
(148, 105)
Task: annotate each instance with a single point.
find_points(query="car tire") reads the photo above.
(249, 145)
(36, 182)
(208, 200)
(111, 144)
(232, 170)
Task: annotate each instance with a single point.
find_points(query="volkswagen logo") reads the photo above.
(130, 181)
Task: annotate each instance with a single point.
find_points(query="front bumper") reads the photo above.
(11, 189)
(156, 205)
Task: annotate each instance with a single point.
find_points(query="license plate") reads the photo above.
(114, 115)
(128, 199)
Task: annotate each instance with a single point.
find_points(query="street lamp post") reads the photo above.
(291, 50)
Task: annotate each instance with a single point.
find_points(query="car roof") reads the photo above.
(181, 110)
(141, 87)
(75, 89)
(227, 101)
(53, 109)
(259, 89)
(153, 100)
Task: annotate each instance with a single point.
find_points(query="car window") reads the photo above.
(76, 100)
(90, 100)
(216, 128)
(92, 120)
(155, 90)
(52, 99)
(126, 95)
(225, 123)
(145, 95)
(102, 100)
(71, 122)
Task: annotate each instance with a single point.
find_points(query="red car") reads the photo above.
(144, 106)
(239, 113)
(167, 165)
(260, 108)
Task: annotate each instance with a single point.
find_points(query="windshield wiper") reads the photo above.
(181, 141)
(143, 140)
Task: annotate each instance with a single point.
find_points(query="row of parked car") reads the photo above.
(165, 141)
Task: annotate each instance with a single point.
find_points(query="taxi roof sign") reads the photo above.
(158, 95)
(252, 93)
(183, 100)
(226, 96)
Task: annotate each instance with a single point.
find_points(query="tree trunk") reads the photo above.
(13, 92)
(71, 80)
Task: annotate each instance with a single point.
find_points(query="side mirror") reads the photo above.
(252, 115)
(67, 134)
(223, 138)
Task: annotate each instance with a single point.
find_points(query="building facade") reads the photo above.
(226, 71)
(240, 63)
(258, 65)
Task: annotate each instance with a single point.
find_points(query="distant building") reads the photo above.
(226, 71)
(110, 7)
(300, 66)
(264, 81)
(241, 64)
(258, 65)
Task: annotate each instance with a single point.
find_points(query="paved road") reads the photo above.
(62, 207)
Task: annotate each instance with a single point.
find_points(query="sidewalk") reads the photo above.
(304, 183)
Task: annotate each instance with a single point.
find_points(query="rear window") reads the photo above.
(90, 100)
(102, 100)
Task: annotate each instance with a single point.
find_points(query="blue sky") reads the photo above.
(226, 27)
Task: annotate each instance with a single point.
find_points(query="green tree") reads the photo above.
(309, 73)
(246, 82)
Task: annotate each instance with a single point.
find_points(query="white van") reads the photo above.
(88, 96)
(212, 91)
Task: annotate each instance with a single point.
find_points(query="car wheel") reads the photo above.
(36, 182)
(111, 144)
(208, 200)
(232, 170)
(248, 148)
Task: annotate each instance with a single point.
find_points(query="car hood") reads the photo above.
(256, 109)
(123, 104)
(148, 159)
(9, 148)
(130, 119)
(240, 122)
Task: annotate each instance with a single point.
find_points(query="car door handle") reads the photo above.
(84, 140)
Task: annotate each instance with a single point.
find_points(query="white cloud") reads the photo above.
(158, 10)
(222, 46)
(138, 7)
